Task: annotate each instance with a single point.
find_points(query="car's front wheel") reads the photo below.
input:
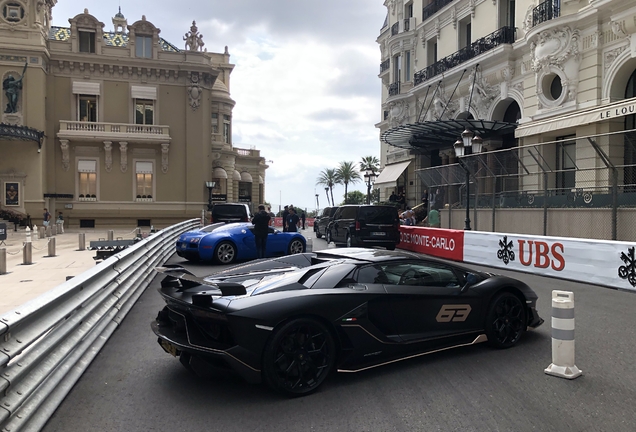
(225, 253)
(328, 239)
(296, 246)
(505, 321)
(298, 357)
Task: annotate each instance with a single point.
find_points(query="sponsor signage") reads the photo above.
(602, 262)
(3, 231)
(219, 197)
(437, 242)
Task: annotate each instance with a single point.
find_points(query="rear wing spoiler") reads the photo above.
(181, 278)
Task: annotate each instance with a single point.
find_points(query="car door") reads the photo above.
(342, 219)
(426, 300)
(277, 242)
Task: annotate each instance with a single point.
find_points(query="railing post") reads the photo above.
(52, 247)
(545, 203)
(614, 203)
(3, 261)
(27, 253)
(82, 241)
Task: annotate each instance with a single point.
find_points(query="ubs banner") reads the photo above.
(437, 242)
(602, 262)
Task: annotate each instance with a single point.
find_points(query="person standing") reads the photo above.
(261, 229)
(401, 200)
(46, 217)
(60, 223)
(285, 215)
(393, 197)
(292, 221)
(302, 218)
(432, 220)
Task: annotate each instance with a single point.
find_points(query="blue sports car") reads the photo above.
(225, 243)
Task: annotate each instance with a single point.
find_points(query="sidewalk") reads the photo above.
(22, 282)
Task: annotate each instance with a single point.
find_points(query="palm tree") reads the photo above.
(370, 162)
(327, 178)
(347, 173)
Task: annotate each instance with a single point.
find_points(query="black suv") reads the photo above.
(365, 225)
(230, 212)
(322, 222)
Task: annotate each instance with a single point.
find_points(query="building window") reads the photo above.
(143, 46)
(465, 37)
(144, 112)
(144, 188)
(87, 180)
(408, 10)
(397, 68)
(407, 66)
(227, 130)
(87, 108)
(215, 124)
(431, 51)
(86, 41)
(566, 164)
(13, 12)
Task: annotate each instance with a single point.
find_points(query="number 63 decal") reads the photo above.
(454, 313)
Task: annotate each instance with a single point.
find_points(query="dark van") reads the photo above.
(322, 222)
(230, 212)
(365, 226)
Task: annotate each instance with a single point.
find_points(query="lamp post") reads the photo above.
(369, 178)
(475, 143)
(317, 204)
(210, 185)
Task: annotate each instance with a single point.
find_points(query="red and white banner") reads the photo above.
(602, 262)
(437, 242)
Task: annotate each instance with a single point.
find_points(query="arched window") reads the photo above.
(629, 173)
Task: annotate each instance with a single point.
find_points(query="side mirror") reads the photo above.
(471, 279)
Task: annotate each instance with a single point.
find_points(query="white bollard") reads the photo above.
(310, 245)
(28, 235)
(563, 336)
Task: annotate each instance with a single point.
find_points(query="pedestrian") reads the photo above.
(261, 228)
(401, 200)
(432, 220)
(46, 218)
(393, 197)
(302, 218)
(285, 215)
(272, 216)
(292, 220)
(60, 223)
(425, 199)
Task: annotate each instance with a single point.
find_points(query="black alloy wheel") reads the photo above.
(298, 357)
(505, 321)
(295, 247)
(225, 253)
(328, 238)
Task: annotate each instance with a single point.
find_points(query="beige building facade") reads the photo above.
(112, 124)
(553, 81)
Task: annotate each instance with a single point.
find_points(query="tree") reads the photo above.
(327, 178)
(355, 197)
(370, 162)
(347, 173)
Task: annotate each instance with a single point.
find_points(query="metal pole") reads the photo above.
(467, 221)
(111, 235)
(52, 247)
(27, 253)
(82, 241)
(545, 203)
(3, 261)
(614, 203)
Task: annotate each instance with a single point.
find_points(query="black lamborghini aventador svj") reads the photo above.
(290, 321)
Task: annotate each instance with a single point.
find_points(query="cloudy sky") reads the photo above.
(305, 81)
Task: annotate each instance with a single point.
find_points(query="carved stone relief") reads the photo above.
(482, 93)
(398, 113)
(108, 150)
(165, 147)
(65, 154)
(123, 156)
(610, 56)
(194, 91)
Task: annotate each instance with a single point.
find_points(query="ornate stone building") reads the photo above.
(115, 126)
(536, 74)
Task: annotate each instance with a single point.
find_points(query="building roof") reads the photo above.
(110, 39)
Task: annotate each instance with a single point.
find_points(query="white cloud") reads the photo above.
(305, 82)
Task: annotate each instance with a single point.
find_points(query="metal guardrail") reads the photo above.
(47, 343)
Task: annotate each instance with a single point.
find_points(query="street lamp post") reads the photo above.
(369, 178)
(475, 143)
(317, 204)
(210, 185)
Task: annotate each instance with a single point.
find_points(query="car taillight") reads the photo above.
(357, 225)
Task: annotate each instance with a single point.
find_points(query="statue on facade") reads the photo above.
(12, 89)
(193, 39)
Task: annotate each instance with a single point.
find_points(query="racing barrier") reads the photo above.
(602, 262)
(563, 336)
(48, 343)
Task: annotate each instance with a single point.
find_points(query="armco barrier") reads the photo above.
(46, 344)
(602, 262)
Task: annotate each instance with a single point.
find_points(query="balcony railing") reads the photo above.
(394, 89)
(545, 11)
(395, 28)
(122, 131)
(433, 7)
(385, 65)
(505, 35)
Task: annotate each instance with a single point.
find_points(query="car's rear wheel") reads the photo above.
(225, 253)
(298, 357)
(505, 320)
(296, 246)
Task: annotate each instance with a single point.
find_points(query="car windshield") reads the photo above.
(378, 215)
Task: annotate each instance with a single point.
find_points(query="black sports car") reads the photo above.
(290, 321)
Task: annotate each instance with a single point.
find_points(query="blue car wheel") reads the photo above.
(225, 253)
(296, 246)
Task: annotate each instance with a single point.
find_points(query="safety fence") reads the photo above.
(574, 187)
(46, 344)
(602, 262)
